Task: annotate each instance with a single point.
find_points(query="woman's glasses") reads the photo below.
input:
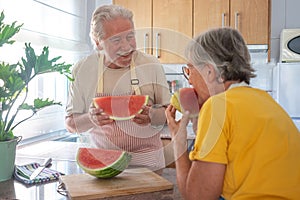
(186, 72)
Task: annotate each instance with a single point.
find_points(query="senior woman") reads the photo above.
(246, 146)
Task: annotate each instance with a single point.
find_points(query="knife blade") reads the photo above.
(38, 170)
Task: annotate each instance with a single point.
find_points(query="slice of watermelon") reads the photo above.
(121, 107)
(102, 163)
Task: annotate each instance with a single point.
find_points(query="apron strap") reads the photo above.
(100, 88)
(134, 80)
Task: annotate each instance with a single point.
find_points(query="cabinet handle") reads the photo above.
(157, 50)
(236, 20)
(223, 20)
(146, 42)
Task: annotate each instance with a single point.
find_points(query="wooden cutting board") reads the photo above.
(129, 182)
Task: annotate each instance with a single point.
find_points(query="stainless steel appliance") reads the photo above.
(286, 88)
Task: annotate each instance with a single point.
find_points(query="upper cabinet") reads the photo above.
(251, 18)
(210, 14)
(142, 17)
(172, 29)
(163, 28)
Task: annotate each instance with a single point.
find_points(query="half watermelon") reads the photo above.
(102, 163)
(121, 107)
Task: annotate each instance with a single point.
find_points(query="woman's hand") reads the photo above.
(98, 117)
(172, 123)
(178, 131)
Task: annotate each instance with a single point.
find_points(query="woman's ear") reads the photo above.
(210, 73)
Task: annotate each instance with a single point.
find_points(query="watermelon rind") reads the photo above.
(131, 116)
(111, 170)
(174, 101)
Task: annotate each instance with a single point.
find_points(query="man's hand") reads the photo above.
(143, 117)
(98, 117)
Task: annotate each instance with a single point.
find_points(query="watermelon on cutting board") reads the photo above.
(186, 99)
(121, 107)
(102, 163)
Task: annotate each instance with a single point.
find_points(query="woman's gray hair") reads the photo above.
(107, 13)
(226, 49)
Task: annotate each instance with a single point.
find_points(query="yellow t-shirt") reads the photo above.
(248, 131)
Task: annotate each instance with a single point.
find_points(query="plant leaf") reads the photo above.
(7, 31)
(38, 104)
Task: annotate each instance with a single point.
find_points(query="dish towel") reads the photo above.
(22, 174)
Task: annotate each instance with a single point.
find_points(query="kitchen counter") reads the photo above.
(63, 156)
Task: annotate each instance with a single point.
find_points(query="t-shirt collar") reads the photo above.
(240, 84)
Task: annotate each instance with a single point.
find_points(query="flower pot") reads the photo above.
(7, 160)
(7, 189)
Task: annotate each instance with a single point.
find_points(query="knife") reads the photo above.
(38, 170)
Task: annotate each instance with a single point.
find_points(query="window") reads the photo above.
(64, 30)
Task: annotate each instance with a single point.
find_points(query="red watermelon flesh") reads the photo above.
(189, 101)
(121, 107)
(102, 163)
(93, 158)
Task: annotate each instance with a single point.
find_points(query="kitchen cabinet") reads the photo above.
(163, 28)
(251, 18)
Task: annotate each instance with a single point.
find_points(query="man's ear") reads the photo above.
(99, 45)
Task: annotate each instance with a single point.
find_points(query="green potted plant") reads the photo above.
(14, 81)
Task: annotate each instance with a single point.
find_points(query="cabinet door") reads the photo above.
(251, 18)
(142, 18)
(172, 29)
(210, 14)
